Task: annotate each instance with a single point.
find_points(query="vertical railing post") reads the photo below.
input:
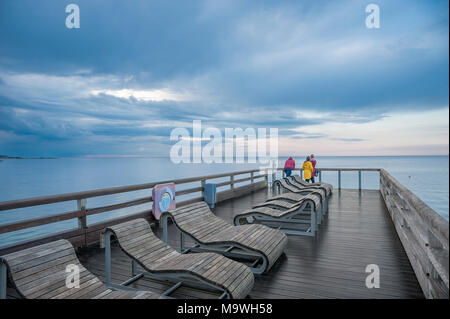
(82, 223)
(359, 180)
(232, 181)
(320, 176)
(266, 178)
(108, 235)
(339, 180)
(3, 280)
(251, 177)
(203, 188)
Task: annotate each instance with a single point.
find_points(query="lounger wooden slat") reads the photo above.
(162, 261)
(327, 187)
(298, 215)
(213, 233)
(287, 185)
(40, 272)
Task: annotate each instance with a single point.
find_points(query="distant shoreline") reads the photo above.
(2, 157)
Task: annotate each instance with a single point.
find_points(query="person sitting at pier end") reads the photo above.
(307, 169)
(289, 166)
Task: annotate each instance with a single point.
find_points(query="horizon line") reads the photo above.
(166, 156)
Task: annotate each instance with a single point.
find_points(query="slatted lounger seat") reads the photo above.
(258, 244)
(159, 260)
(40, 273)
(297, 180)
(282, 184)
(290, 200)
(299, 218)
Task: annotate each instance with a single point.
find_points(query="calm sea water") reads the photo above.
(426, 176)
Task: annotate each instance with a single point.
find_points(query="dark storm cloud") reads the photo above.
(241, 64)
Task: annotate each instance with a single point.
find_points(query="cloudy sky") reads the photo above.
(135, 70)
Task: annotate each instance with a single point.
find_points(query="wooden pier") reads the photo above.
(390, 228)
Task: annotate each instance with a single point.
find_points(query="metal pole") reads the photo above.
(181, 242)
(339, 180)
(320, 176)
(133, 267)
(359, 179)
(3, 280)
(164, 225)
(108, 258)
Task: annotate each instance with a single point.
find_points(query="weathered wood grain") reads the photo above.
(40, 273)
(423, 233)
(138, 241)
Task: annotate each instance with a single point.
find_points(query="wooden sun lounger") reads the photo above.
(297, 180)
(283, 185)
(205, 270)
(257, 244)
(41, 272)
(299, 218)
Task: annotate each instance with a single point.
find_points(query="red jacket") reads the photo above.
(313, 162)
(290, 163)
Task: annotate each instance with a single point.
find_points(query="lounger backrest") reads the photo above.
(313, 198)
(326, 187)
(285, 185)
(293, 197)
(137, 239)
(42, 269)
(198, 220)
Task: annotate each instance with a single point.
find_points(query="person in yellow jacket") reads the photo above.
(307, 169)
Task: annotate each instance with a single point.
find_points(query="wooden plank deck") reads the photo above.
(358, 231)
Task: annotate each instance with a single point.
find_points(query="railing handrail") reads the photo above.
(332, 169)
(423, 233)
(428, 215)
(43, 200)
(85, 232)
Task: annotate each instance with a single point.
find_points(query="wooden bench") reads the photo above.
(41, 272)
(299, 218)
(204, 270)
(257, 244)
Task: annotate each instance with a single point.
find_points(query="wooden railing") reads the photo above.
(423, 233)
(339, 173)
(85, 234)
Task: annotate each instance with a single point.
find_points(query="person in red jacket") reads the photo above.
(289, 166)
(313, 162)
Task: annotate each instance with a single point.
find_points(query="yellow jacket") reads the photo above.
(307, 169)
